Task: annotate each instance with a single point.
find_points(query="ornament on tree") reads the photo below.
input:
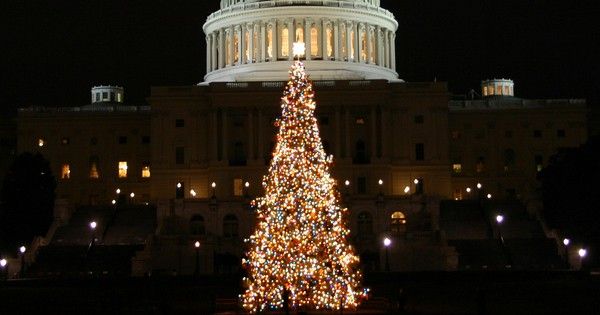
(299, 253)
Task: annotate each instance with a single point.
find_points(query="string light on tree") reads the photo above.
(299, 249)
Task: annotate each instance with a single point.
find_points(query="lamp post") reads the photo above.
(566, 242)
(582, 254)
(197, 269)
(22, 251)
(500, 220)
(213, 185)
(93, 226)
(386, 243)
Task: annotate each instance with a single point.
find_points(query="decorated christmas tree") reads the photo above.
(299, 254)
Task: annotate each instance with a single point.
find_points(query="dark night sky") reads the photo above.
(54, 51)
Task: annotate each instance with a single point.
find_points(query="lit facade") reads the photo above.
(399, 148)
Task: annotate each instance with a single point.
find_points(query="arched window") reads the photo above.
(269, 42)
(227, 50)
(363, 45)
(230, 226)
(329, 34)
(361, 153)
(236, 47)
(398, 224)
(284, 42)
(364, 225)
(197, 225)
(344, 46)
(299, 34)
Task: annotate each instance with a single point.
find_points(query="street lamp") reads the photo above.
(489, 196)
(406, 189)
(479, 186)
(566, 242)
(500, 220)
(22, 251)
(582, 253)
(193, 193)
(213, 185)
(468, 190)
(197, 247)
(118, 191)
(3, 263)
(386, 243)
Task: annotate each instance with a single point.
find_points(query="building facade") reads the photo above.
(400, 148)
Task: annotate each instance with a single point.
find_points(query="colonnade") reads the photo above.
(325, 39)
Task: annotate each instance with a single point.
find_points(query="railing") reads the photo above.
(99, 109)
(284, 3)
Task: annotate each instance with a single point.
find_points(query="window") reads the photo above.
(98, 97)
(365, 225)
(146, 170)
(104, 96)
(537, 133)
(122, 169)
(361, 153)
(419, 119)
(270, 42)
(64, 141)
(284, 43)
(238, 189)
(122, 139)
(480, 166)
(197, 225)
(119, 97)
(509, 159)
(314, 41)
(94, 174)
(179, 123)
(560, 133)
(230, 226)
(65, 172)
(179, 155)
(145, 139)
(360, 121)
(247, 45)
(398, 223)
(236, 47)
(457, 168)
(420, 152)
(539, 163)
(361, 185)
(239, 156)
(180, 190)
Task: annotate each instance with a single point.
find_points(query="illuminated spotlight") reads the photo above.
(499, 218)
(178, 185)
(406, 189)
(132, 195)
(479, 185)
(93, 225)
(566, 242)
(489, 196)
(113, 202)
(582, 252)
(193, 193)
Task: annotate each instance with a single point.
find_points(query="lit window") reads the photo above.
(285, 42)
(329, 34)
(360, 121)
(122, 169)
(236, 47)
(146, 170)
(300, 33)
(94, 174)
(351, 52)
(343, 41)
(237, 187)
(373, 57)
(457, 168)
(65, 172)
(270, 42)
(41, 142)
(485, 91)
(119, 97)
(314, 41)
(104, 96)
(398, 224)
(491, 90)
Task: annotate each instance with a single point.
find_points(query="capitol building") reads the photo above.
(412, 163)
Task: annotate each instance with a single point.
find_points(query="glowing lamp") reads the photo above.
(416, 181)
(132, 195)
(479, 185)
(197, 244)
(406, 190)
(193, 193)
(299, 49)
(468, 189)
(22, 249)
(178, 185)
(566, 242)
(387, 242)
(3, 262)
(499, 219)
(247, 184)
(213, 185)
(582, 252)
(93, 225)
(113, 202)
(347, 183)
(380, 182)
(118, 191)
(489, 196)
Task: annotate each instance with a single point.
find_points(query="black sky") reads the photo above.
(54, 51)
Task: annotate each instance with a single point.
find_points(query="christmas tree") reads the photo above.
(299, 252)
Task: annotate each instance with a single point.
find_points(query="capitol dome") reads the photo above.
(251, 40)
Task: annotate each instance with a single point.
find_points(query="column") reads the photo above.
(214, 51)
(336, 40)
(230, 46)
(263, 42)
(250, 43)
(368, 48)
(261, 141)
(240, 44)
(348, 43)
(291, 38)
(222, 48)
(338, 133)
(208, 52)
(356, 42)
(373, 133)
(324, 39)
(224, 134)
(307, 38)
(393, 48)
(250, 134)
(214, 138)
(275, 37)
(379, 47)
(347, 130)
